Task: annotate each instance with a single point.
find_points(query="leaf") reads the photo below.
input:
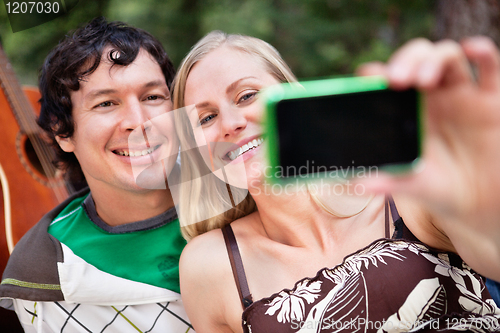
(291, 303)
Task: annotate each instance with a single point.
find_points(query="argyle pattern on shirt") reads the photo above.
(75, 317)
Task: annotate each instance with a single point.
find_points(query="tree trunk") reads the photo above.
(456, 19)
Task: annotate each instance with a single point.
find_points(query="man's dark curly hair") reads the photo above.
(78, 55)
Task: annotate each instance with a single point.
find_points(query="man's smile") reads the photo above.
(135, 152)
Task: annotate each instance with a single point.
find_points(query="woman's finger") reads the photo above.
(403, 65)
(372, 68)
(484, 54)
(445, 64)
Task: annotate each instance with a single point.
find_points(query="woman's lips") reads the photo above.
(233, 154)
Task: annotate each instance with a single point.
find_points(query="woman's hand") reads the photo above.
(459, 185)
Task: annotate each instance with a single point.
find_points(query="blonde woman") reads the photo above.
(290, 265)
(210, 192)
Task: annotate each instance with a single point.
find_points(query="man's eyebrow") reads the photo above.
(155, 83)
(233, 85)
(97, 93)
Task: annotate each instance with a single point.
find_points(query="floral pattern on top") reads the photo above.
(389, 286)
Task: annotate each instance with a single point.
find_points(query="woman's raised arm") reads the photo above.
(460, 182)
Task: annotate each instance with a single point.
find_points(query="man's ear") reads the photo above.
(66, 144)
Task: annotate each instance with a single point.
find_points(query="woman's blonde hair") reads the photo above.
(203, 196)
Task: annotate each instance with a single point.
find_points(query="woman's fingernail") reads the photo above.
(399, 72)
(426, 73)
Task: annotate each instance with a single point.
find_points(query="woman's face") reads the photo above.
(224, 87)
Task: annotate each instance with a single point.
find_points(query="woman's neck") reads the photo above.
(295, 219)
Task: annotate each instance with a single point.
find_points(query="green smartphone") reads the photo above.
(341, 128)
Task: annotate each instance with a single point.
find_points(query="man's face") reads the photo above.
(109, 105)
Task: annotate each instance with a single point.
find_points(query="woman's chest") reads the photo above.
(398, 283)
(271, 269)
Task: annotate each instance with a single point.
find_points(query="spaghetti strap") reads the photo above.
(387, 225)
(401, 231)
(394, 209)
(389, 203)
(237, 266)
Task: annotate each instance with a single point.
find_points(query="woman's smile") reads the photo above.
(227, 102)
(243, 149)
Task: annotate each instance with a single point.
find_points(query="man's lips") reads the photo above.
(131, 152)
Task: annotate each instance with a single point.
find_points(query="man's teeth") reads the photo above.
(243, 149)
(136, 153)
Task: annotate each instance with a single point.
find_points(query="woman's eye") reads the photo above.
(247, 97)
(206, 119)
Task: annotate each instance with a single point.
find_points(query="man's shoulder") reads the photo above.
(42, 225)
(31, 272)
(66, 206)
(37, 239)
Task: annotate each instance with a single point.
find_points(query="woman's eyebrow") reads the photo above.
(229, 89)
(233, 85)
(202, 105)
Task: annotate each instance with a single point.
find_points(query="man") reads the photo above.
(107, 258)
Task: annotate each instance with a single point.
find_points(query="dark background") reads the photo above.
(315, 37)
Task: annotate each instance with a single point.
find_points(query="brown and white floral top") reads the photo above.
(392, 285)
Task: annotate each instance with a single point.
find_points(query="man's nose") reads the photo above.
(134, 115)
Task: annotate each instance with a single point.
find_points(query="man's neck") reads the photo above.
(117, 207)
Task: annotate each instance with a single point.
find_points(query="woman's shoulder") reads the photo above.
(205, 250)
(209, 249)
(422, 224)
(206, 278)
(204, 274)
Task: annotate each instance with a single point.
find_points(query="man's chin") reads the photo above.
(153, 177)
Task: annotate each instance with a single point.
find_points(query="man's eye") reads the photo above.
(104, 104)
(205, 120)
(160, 97)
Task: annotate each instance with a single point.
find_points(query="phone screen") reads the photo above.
(360, 129)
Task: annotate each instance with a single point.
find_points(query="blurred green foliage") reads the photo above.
(315, 37)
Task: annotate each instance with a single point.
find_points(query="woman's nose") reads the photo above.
(233, 122)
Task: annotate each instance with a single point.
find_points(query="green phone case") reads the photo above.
(324, 87)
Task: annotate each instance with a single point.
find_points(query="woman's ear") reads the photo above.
(66, 144)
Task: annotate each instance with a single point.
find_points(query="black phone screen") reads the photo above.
(361, 129)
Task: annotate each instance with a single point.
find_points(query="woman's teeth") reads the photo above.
(136, 153)
(232, 155)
